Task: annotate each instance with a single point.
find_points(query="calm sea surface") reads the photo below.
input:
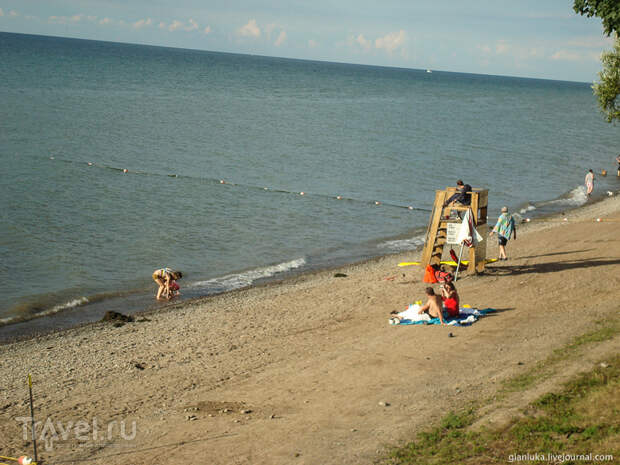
(218, 148)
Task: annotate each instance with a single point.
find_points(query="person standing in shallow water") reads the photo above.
(164, 277)
(505, 227)
(589, 182)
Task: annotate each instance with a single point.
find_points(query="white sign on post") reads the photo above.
(453, 231)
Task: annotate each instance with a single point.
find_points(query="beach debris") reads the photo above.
(610, 193)
(191, 417)
(24, 460)
(384, 404)
(245, 411)
(604, 365)
(139, 366)
(117, 317)
(272, 416)
(520, 363)
(340, 275)
(598, 220)
(450, 335)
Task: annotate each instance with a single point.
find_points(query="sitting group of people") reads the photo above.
(442, 306)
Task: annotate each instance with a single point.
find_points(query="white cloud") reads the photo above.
(176, 24)
(501, 47)
(142, 23)
(66, 19)
(391, 41)
(363, 42)
(312, 43)
(251, 29)
(566, 55)
(193, 25)
(179, 25)
(590, 42)
(281, 39)
(207, 30)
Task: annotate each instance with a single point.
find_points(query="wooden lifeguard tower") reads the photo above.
(437, 232)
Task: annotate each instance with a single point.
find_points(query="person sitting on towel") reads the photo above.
(461, 196)
(433, 306)
(450, 299)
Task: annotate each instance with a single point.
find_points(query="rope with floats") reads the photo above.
(249, 186)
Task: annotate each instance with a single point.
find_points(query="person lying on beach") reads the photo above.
(433, 306)
(450, 299)
(163, 277)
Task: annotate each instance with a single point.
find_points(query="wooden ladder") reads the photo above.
(437, 231)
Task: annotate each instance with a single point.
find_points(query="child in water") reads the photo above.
(164, 277)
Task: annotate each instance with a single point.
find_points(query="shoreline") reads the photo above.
(311, 358)
(34, 331)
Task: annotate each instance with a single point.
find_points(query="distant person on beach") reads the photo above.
(505, 227)
(461, 196)
(589, 182)
(164, 277)
(450, 299)
(618, 161)
(433, 306)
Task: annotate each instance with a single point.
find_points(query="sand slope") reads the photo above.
(310, 360)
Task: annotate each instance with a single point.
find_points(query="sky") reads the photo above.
(526, 38)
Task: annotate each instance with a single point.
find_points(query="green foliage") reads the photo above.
(607, 10)
(608, 88)
(568, 421)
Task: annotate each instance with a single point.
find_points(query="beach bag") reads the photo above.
(429, 275)
(443, 276)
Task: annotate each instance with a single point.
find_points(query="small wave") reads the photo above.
(573, 198)
(399, 245)
(55, 309)
(529, 208)
(236, 281)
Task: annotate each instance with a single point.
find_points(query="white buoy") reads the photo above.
(410, 207)
(377, 203)
(90, 163)
(339, 197)
(222, 181)
(565, 219)
(24, 460)
(598, 220)
(125, 170)
(302, 193)
(527, 220)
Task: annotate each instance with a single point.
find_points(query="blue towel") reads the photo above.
(458, 321)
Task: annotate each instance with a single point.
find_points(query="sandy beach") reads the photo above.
(308, 370)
